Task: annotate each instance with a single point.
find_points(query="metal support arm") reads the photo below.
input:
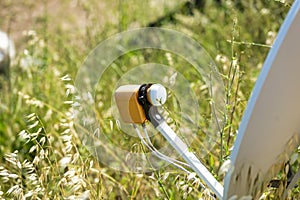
(159, 123)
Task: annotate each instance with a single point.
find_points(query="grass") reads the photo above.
(41, 154)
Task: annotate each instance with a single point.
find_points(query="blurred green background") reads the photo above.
(41, 155)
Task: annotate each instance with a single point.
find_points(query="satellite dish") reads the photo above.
(269, 131)
(270, 128)
(7, 52)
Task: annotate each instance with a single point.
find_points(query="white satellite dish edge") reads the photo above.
(270, 127)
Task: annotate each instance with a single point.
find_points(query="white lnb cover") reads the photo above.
(157, 94)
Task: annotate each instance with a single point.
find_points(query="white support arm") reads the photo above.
(190, 158)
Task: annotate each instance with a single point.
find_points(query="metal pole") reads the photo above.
(191, 158)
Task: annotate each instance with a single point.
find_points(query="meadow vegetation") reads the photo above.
(41, 155)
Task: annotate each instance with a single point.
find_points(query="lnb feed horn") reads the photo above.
(134, 102)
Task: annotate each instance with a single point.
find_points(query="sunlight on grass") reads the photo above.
(41, 155)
